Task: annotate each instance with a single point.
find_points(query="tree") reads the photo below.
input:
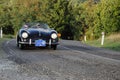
(5, 14)
(88, 18)
(72, 18)
(107, 17)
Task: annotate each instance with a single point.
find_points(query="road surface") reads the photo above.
(71, 61)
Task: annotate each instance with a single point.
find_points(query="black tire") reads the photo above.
(17, 44)
(21, 46)
(54, 47)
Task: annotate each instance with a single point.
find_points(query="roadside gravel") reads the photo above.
(2, 53)
(6, 66)
(10, 70)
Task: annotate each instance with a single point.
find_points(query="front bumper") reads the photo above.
(51, 42)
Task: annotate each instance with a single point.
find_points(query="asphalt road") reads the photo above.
(71, 61)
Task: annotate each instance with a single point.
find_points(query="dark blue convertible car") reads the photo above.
(38, 35)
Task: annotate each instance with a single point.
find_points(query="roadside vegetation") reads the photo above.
(8, 36)
(72, 18)
(111, 42)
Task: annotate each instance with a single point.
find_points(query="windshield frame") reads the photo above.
(38, 25)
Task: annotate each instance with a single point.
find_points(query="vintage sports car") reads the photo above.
(37, 34)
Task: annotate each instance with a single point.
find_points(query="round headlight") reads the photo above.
(53, 35)
(24, 35)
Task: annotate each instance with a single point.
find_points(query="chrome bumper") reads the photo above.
(33, 43)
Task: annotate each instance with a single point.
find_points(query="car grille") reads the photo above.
(36, 37)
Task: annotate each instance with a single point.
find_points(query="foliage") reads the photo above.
(107, 17)
(72, 18)
(4, 13)
(9, 36)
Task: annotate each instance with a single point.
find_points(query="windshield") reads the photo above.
(38, 25)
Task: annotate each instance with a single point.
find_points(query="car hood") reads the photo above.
(38, 32)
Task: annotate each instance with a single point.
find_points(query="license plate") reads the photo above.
(40, 43)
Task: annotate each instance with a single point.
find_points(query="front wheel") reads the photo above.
(21, 46)
(54, 47)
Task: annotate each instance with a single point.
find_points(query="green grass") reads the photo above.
(111, 42)
(9, 36)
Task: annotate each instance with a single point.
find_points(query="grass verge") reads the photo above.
(111, 42)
